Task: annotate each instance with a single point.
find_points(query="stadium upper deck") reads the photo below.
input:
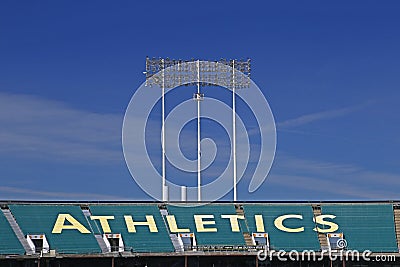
(62, 229)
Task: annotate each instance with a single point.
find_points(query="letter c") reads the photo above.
(279, 223)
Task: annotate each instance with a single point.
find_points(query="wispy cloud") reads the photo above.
(334, 179)
(36, 127)
(318, 116)
(333, 189)
(24, 193)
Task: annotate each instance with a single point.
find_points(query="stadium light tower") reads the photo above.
(168, 73)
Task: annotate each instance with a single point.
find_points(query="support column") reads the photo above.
(234, 131)
(183, 193)
(198, 134)
(163, 187)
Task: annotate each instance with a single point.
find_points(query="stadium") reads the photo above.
(199, 134)
(217, 234)
(200, 233)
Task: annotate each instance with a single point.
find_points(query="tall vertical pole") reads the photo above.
(234, 131)
(164, 193)
(198, 134)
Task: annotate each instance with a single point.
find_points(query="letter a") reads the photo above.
(75, 225)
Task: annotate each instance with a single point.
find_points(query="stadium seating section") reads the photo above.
(224, 236)
(143, 240)
(365, 226)
(9, 243)
(40, 219)
(308, 239)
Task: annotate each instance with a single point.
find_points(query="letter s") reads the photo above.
(320, 220)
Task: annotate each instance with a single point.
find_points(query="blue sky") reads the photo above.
(330, 72)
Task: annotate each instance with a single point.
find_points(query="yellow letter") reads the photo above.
(103, 222)
(234, 221)
(59, 225)
(320, 220)
(279, 223)
(130, 224)
(198, 219)
(259, 223)
(173, 227)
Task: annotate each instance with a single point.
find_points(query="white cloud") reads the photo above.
(326, 188)
(317, 116)
(36, 127)
(334, 179)
(24, 193)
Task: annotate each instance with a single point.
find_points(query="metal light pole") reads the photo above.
(164, 186)
(234, 132)
(198, 98)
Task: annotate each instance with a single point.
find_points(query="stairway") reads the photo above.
(99, 238)
(102, 244)
(246, 234)
(176, 241)
(248, 239)
(396, 212)
(323, 240)
(18, 232)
